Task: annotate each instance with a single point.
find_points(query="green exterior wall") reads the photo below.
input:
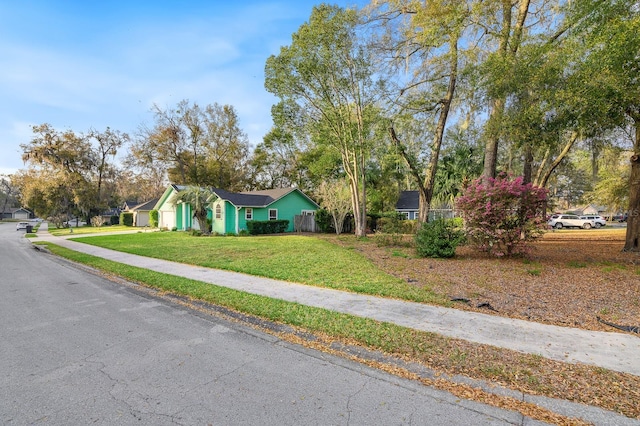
(288, 206)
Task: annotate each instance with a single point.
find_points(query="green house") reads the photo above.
(231, 211)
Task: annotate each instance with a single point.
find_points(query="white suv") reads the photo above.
(598, 220)
(560, 221)
(22, 225)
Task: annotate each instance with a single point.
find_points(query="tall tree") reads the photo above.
(609, 33)
(426, 42)
(329, 75)
(66, 157)
(9, 193)
(504, 21)
(196, 146)
(107, 145)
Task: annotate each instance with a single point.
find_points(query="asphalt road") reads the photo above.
(78, 349)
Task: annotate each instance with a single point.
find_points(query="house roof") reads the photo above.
(257, 199)
(409, 200)
(261, 198)
(146, 206)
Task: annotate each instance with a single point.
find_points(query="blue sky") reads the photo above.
(83, 64)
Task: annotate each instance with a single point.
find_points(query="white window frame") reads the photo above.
(308, 212)
(218, 212)
(248, 213)
(276, 213)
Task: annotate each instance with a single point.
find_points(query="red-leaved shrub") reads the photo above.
(502, 217)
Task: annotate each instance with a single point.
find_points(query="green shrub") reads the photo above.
(409, 226)
(257, 227)
(438, 239)
(324, 221)
(154, 218)
(391, 228)
(126, 218)
(114, 220)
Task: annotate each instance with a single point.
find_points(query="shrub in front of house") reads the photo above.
(439, 238)
(154, 218)
(126, 218)
(257, 227)
(114, 220)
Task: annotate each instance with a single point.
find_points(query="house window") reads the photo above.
(308, 212)
(218, 211)
(273, 214)
(248, 214)
(406, 215)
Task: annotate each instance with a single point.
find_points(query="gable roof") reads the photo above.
(254, 199)
(409, 200)
(147, 206)
(261, 198)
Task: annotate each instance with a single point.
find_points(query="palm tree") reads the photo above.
(198, 198)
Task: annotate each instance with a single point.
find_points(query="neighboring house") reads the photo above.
(141, 212)
(409, 204)
(231, 211)
(589, 209)
(19, 213)
(129, 204)
(107, 214)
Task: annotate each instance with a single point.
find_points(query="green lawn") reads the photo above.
(293, 258)
(91, 229)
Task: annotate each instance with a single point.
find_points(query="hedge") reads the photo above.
(126, 219)
(256, 227)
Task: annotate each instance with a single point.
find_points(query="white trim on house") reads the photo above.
(248, 213)
(276, 214)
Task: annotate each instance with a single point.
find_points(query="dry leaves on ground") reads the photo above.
(570, 278)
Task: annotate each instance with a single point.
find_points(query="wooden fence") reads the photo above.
(304, 223)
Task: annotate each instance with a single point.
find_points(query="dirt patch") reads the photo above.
(570, 278)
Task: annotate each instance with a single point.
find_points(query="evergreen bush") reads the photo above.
(257, 227)
(154, 218)
(126, 218)
(439, 238)
(324, 221)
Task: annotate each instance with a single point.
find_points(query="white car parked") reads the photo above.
(598, 220)
(560, 221)
(22, 225)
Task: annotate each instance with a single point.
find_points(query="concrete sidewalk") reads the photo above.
(614, 351)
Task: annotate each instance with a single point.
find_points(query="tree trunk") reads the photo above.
(632, 239)
(507, 39)
(491, 146)
(543, 163)
(425, 188)
(430, 173)
(556, 163)
(527, 169)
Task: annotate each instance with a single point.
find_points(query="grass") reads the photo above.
(91, 230)
(292, 258)
(524, 372)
